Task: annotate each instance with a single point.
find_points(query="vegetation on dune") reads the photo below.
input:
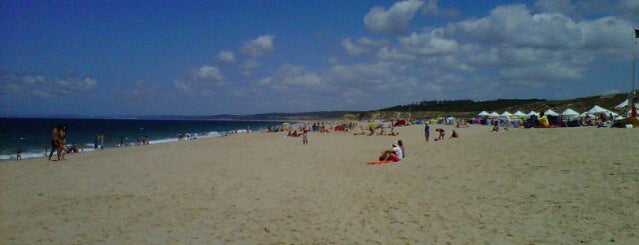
(432, 109)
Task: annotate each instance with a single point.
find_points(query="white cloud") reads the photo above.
(428, 43)
(432, 8)
(259, 47)
(251, 64)
(362, 46)
(247, 67)
(226, 57)
(296, 76)
(208, 74)
(351, 48)
(40, 86)
(395, 20)
(555, 6)
(265, 81)
(514, 25)
(182, 86)
(389, 53)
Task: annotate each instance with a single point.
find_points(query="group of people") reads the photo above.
(441, 133)
(304, 135)
(398, 152)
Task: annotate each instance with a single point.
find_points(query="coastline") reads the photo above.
(33, 135)
(563, 185)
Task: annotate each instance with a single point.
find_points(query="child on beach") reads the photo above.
(305, 137)
(442, 133)
(454, 135)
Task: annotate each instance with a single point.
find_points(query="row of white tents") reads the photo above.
(568, 113)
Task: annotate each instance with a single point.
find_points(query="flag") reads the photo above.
(636, 33)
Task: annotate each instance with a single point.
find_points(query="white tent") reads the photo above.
(483, 113)
(531, 113)
(519, 114)
(597, 109)
(624, 104)
(506, 114)
(493, 114)
(551, 113)
(570, 113)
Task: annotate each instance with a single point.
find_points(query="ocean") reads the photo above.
(33, 135)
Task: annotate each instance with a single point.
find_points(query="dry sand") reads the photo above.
(523, 186)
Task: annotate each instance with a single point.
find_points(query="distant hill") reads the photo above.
(431, 109)
(467, 108)
(458, 108)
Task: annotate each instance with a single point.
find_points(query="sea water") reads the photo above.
(33, 135)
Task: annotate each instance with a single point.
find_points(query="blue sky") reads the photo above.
(117, 58)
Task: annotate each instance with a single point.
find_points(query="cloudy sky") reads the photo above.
(115, 58)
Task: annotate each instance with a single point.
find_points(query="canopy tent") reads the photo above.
(570, 113)
(505, 114)
(597, 109)
(531, 113)
(483, 114)
(550, 112)
(493, 114)
(519, 114)
(624, 104)
(586, 114)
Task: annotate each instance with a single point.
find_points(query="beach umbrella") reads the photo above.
(597, 109)
(519, 114)
(551, 113)
(570, 113)
(483, 114)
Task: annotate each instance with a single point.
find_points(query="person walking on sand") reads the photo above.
(427, 131)
(19, 154)
(57, 141)
(100, 140)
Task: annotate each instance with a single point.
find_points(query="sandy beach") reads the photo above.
(522, 186)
